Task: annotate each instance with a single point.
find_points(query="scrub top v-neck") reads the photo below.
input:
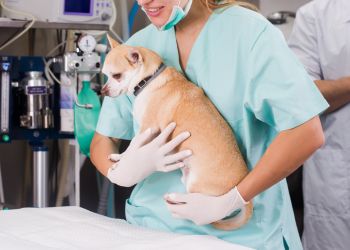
(246, 69)
(175, 48)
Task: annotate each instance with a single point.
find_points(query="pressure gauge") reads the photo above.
(87, 43)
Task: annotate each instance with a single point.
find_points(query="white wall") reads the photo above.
(269, 6)
(140, 20)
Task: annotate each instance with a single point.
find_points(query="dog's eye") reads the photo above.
(117, 76)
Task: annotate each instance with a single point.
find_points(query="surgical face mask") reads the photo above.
(177, 14)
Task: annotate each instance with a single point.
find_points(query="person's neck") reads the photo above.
(197, 16)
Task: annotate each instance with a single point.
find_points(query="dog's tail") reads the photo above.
(236, 222)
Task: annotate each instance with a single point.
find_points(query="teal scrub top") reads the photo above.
(245, 67)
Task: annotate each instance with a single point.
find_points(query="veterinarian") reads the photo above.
(247, 70)
(321, 40)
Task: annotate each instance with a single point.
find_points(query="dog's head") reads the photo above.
(126, 66)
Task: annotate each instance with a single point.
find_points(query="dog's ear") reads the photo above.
(134, 56)
(113, 43)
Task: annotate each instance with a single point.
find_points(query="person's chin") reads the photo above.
(157, 22)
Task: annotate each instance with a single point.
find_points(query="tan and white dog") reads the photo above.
(216, 165)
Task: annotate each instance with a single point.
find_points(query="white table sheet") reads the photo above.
(77, 228)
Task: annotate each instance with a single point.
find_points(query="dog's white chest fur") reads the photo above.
(140, 106)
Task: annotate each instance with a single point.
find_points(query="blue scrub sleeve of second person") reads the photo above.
(280, 93)
(116, 118)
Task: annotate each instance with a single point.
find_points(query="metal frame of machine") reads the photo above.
(5, 95)
(30, 104)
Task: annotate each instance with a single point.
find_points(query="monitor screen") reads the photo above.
(78, 7)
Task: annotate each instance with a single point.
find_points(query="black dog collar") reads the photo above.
(139, 87)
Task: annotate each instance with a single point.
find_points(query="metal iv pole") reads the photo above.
(40, 176)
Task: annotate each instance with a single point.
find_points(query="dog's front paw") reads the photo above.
(114, 157)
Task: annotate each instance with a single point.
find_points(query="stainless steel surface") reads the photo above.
(37, 91)
(51, 25)
(40, 178)
(47, 118)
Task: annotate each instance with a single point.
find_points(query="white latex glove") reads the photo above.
(204, 209)
(146, 154)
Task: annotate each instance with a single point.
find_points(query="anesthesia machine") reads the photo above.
(40, 100)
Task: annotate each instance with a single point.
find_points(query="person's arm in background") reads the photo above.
(336, 92)
(304, 43)
(101, 147)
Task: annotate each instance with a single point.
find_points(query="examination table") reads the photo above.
(78, 228)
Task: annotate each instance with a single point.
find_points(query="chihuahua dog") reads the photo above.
(164, 95)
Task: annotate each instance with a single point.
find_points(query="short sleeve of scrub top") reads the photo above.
(115, 118)
(281, 93)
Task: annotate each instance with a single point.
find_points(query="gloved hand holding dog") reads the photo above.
(146, 154)
(191, 206)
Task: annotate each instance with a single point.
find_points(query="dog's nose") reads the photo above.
(105, 89)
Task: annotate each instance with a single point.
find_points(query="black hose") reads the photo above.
(102, 204)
